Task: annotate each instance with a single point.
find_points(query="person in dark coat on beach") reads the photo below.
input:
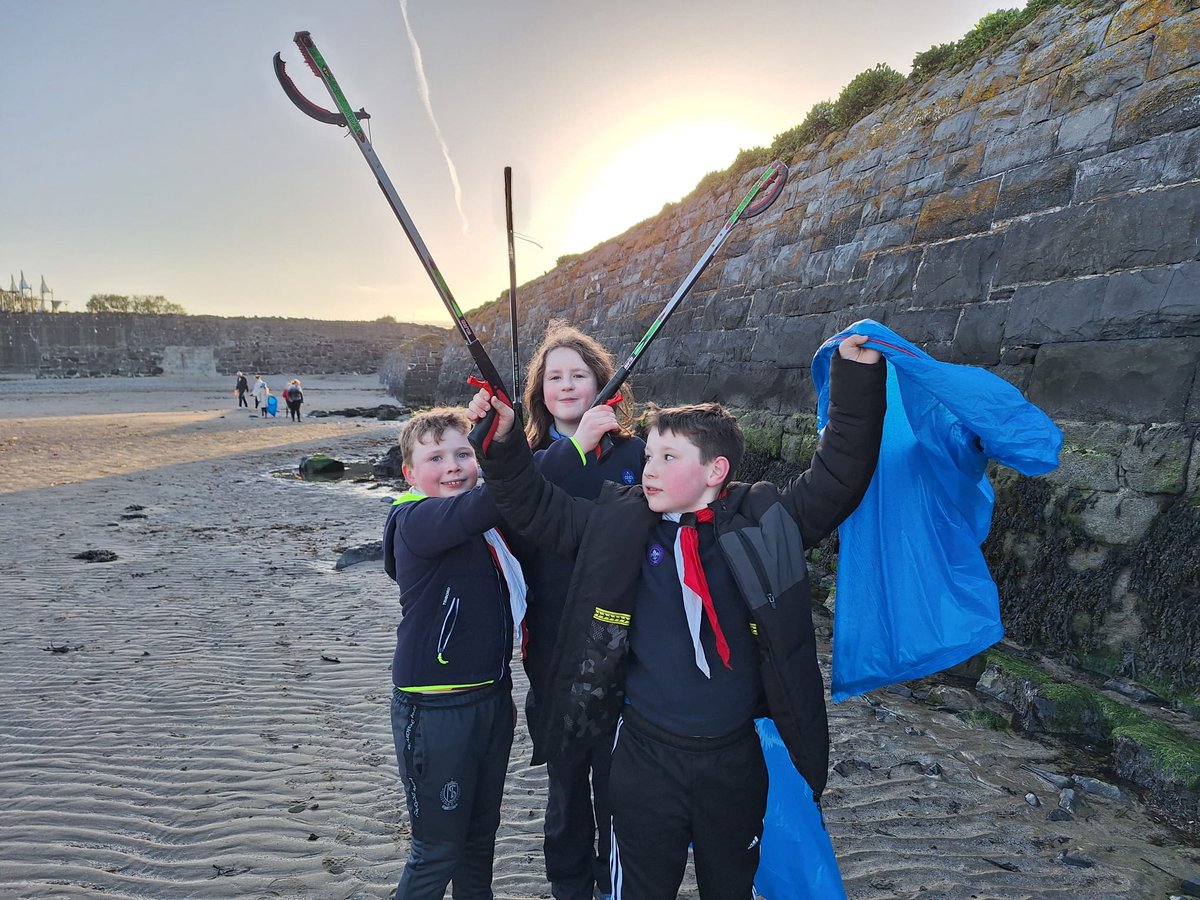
(689, 615)
(240, 389)
(294, 396)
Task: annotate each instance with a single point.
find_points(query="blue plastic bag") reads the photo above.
(272, 405)
(914, 594)
(796, 860)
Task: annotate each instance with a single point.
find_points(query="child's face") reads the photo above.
(568, 387)
(442, 467)
(675, 480)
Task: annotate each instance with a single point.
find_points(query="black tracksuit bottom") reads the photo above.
(667, 791)
(577, 825)
(453, 754)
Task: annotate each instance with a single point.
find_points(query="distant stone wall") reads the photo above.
(86, 344)
(1039, 215)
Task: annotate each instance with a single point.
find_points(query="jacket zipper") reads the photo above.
(756, 562)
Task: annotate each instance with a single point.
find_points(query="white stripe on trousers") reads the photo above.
(614, 854)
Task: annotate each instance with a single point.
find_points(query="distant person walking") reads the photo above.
(294, 397)
(240, 389)
(261, 393)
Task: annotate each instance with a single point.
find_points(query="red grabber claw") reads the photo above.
(483, 432)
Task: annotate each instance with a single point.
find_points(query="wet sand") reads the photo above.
(217, 723)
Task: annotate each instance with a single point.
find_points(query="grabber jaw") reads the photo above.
(306, 106)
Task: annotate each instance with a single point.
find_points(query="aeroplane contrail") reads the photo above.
(423, 86)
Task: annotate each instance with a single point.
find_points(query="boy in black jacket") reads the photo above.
(688, 615)
(452, 711)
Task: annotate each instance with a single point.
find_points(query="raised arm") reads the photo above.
(843, 464)
(543, 513)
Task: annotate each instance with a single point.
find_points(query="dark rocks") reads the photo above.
(385, 412)
(320, 464)
(369, 552)
(94, 556)
(389, 465)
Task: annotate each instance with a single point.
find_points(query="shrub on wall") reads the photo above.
(993, 29)
(866, 92)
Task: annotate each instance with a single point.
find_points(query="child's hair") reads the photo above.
(595, 357)
(433, 421)
(710, 426)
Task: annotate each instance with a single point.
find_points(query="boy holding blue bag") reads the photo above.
(688, 614)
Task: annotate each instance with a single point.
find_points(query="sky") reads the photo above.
(148, 148)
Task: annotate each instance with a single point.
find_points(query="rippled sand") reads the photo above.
(217, 725)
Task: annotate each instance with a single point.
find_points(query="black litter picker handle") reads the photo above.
(347, 117)
(766, 191)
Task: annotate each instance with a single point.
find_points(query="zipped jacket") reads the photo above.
(548, 574)
(763, 532)
(456, 629)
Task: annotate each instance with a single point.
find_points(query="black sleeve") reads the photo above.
(537, 509)
(844, 462)
(434, 525)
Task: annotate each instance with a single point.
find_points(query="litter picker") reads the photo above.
(769, 185)
(482, 433)
(518, 403)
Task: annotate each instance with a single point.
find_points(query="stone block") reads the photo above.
(733, 271)
(843, 224)
(1057, 312)
(1135, 18)
(725, 315)
(1024, 146)
(883, 207)
(1037, 187)
(890, 275)
(1037, 101)
(841, 266)
(954, 132)
(923, 326)
(958, 272)
(1124, 232)
(992, 81)
(895, 233)
(1176, 46)
(1116, 381)
(1071, 43)
(1156, 460)
(925, 186)
(959, 211)
(1088, 459)
(822, 299)
(963, 166)
(1158, 302)
(1171, 103)
(1097, 76)
(979, 334)
(785, 342)
(1121, 518)
(1166, 159)
(1089, 126)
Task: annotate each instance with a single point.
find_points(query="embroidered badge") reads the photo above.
(449, 795)
(627, 476)
(656, 554)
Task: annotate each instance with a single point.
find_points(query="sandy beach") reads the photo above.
(206, 715)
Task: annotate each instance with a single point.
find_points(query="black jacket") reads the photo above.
(763, 532)
(548, 574)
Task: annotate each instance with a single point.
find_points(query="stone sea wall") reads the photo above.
(72, 345)
(1037, 215)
